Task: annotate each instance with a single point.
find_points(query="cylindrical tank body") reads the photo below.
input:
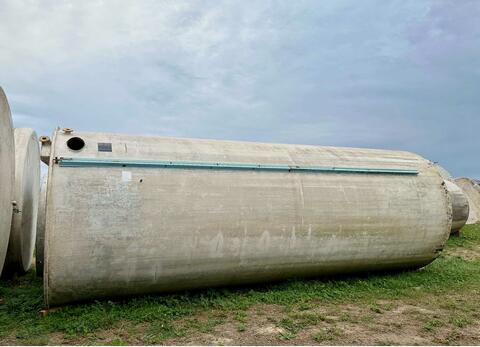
(130, 215)
(26, 194)
(40, 238)
(472, 190)
(7, 170)
(460, 207)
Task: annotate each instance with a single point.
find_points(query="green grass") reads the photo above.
(22, 300)
(469, 238)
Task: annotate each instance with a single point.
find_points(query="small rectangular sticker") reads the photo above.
(126, 176)
(104, 147)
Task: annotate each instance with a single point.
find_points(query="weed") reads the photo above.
(375, 308)
(452, 337)
(289, 325)
(305, 306)
(241, 316)
(204, 326)
(118, 342)
(432, 324)
(304, 319)
(241, 327)
(346, 317)
(327, 334)
(460, 321)
(388, 306)
(287, 335)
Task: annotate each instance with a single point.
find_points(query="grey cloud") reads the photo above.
(396, 74)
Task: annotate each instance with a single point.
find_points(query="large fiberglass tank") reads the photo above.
(7, 178)
(471, 189)
(130, 215)
(459, 200)
(26, 194)
(460, 206)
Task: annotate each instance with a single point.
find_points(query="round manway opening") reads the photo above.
(75, 143)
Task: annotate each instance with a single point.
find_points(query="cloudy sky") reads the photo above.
(380, 74)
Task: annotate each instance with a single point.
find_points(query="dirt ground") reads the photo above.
(433, 321)
(387, 323)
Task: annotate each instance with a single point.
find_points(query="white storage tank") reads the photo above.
(471, 188)
(460, 206)
(26, 195)
(7, 171)
(131, 215)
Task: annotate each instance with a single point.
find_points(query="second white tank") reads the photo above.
(26, 194)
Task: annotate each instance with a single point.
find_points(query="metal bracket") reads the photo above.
(108, 162)
(15, 207)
